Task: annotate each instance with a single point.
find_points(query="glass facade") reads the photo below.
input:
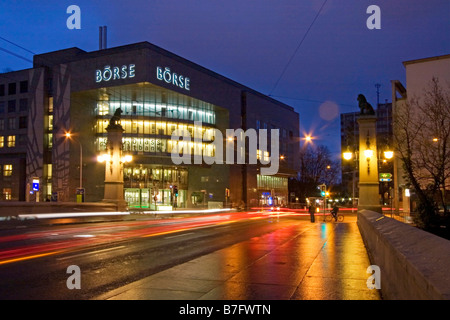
(273, 191)
(150, 115)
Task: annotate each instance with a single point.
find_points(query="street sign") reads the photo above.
(35, 184)
(385, 177)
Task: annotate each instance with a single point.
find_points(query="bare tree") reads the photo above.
(316, 166)
(422, 136)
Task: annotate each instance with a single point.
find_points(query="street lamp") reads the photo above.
(70, 137)
(348, 155)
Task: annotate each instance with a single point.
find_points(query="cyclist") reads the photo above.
(334, 212)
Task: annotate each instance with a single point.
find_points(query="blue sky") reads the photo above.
(252, 42)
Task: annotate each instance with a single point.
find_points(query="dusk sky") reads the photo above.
(260, 44)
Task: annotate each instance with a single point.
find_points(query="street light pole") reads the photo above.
(69, 136)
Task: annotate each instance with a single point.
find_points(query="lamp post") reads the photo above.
(70, 137)
(348, 155)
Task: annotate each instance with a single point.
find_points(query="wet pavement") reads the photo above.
(303, 261)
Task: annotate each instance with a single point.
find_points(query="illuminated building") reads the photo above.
(158, 92)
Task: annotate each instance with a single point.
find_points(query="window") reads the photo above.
(50, 104)
(2, 107)
(12, 106)
(2, 90)
(11, 141)
(2, 124)
(22, 141)
(23, 104)
(23, 86)
(11, 123)
(2, 141)
(11, 88)
(23, 122)
(7, 170)
(7, 193)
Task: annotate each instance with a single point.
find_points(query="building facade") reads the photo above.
(158, 93)
(419, 75)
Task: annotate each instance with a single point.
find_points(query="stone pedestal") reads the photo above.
(114, 168)
(368, 166)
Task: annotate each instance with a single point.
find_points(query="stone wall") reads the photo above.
(413, 263)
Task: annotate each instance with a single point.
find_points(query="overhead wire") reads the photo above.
(296, 50)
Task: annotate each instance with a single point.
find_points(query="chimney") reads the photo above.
(100, 38)
(104, 37)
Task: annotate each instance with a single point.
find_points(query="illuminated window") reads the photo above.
(11, 141)
(7, 170)
(2, 142)
(259, 155)
(103, 108)
(50, 104)
(7, 193)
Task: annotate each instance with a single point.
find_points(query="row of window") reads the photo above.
(7, 170)
(271, 182)
(12, 88)
(153, 109)
(159, 146)
(147, 173)
(14, 123)
(10, 141)
(157, 127)
(166, 146)
(283, 132)
(10, 106)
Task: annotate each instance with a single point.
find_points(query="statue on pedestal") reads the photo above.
(364, 106)
(114, 121)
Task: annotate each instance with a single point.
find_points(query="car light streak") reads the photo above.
(81, 237)
(29, 257)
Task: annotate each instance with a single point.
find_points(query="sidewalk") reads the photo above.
(320, 261)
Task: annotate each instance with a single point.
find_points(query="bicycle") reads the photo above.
(339, 217)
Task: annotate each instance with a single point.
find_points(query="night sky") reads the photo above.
(258, 43)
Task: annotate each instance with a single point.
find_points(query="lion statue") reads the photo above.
(114, 121)
(364, 106)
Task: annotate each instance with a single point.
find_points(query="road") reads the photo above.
(112, 255)
(34, 261)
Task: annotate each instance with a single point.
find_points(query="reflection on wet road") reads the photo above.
(300, 260)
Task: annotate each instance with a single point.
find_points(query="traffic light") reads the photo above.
(175, 191)
(323, 190)
(227, 192)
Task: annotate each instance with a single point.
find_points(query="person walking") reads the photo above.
(312, 209)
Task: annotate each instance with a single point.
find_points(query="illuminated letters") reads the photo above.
(115, 73)
(171, 77)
